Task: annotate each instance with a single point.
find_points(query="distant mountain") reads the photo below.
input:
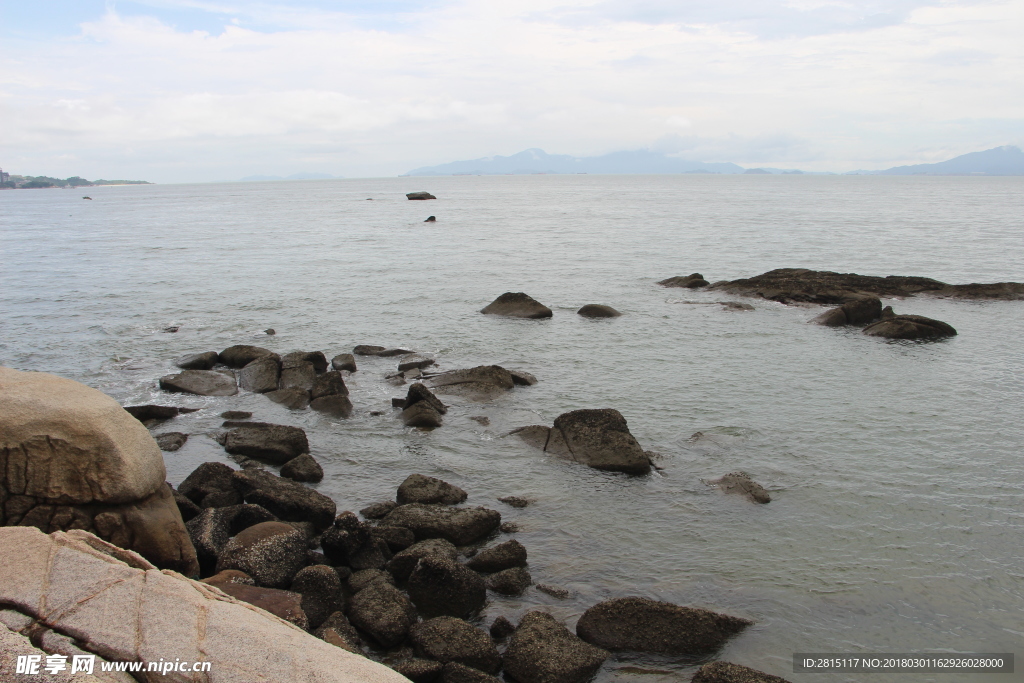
(293, 176)
(1006, 160)
(539, 161)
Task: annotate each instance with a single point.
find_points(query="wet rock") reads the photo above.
(508, 527)
(461, 526)
(344, 361)
(856, 311)
(401, 565)
(418, 488)
(483, 420)
(542, 650)
(329, 384)
(724, 672)
(317, 358)
(414, 360)
(201, 382)
(320, 589)
(292, 398)
(338, 631)
(481, 383)
(420, 195)
(240, 355)
(172, 329)
(522, 378)
(260, 376)
(338, 405)
(741, 483)
(229, 576)
(502, 628)
(288, 500)
(364, 577)
(554, 591)
(909, 327)
(211, 485)
(270, 331)
(210, 531)
(275, 444)
(692, 281)
(598, 311)
(440, 586)
(417, 670)
(421, 408)
(171, 441)
(515, 501)
(236, 414)
(396, 537)
(186, 507)
(378, 510)
(157, 413)
(496, 558)
(344, 538)
(367, 350)
(374, 554)
(454, 672)
(271, 553)
(887, 313)
(383, 612)
(509, 581)
(303, 468)
(197, 361)
(597, 438)
(280, 603)
(645, 625)
(517, 305)
(447, 639)
(298, 374)
(735, 306)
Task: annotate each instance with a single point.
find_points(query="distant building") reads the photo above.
(4, 177)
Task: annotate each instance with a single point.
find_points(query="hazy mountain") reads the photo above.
(293, 176)
(539, 161)
(1006, 160)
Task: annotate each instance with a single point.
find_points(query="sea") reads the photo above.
(895, 468)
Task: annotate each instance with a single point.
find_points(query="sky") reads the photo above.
(207, 90)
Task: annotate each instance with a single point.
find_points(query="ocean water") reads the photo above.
(895, 468)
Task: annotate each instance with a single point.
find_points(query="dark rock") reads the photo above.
(211, 485)
(856, 311)
(645, 625)
(508, 527)
(398, 538)
(515, 501)
(421, 415)
(887, 313)
(741, 483)
(447, 639)
(598, 311)
(420, 195)
(186, 507)
(317, 358)
(260, 376)
(454, 672)
(315, 559)
(338, 405)
(724, 672)
(329, 384)
(197, 361)
(509, 581)
(414, 360)
(418, 488)
(692, 281)
(430, 219)
(417, 670)
(542, 650)
(337, 630)
(210, 531)
(275, 444)
(517, 305)
(597, 438)
(171, 441)
(397, 402)
(271, 553)
(482, 419)
(280, 603)
(303, 468)
(270, 330)
(344, 361)
(320, 589)
(292, 398)
(247, 515)
(735, 306)
(364, 577)
(383, 612)
(374, 554)
(378, 510)
(496, 558)
(388, 353)
(229, 576)
(236, 414)
(344, 538)
(159, 413)
(241, 355)
(367, 350)
(461, 526)
(288, 500)
(401, 565)
(502, 628)
(440, 586)
(481, 383)
(909, 327)
(522, 378)
(553, 591)
(201, 382)
(297, 374)
(172, 329)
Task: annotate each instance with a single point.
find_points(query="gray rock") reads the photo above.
(645, 625)
(297, 374)
(397, 538)
(420, 195)
(344, 361)
(401, 565)
(421, 415)
(597, 438)
(292, 398)
(692, 281)
(517, 305)
(367, 350)
(303, 468)
(317, 358)
(338, 405)
(440, 586)
(448, 639)
(741, 483)
(496, 558)
(201, 382)
(281, 603)
(320, 589)
(211, 485)
(275, 444)
(542, 650)
(909, 327)
(418, 488)
(856, 311)
(554, 591)
(271, 553)
(239, 356)
(598, 311)
(414, 360)
(378, 510)
(171, 441)
(197, 361)
(735, 306)
(288, 500)
(329, 384)
(461, 526)
(454, 672)
(236, 414)
(522, 378)
(260, 376)
(364, 577)
(383, 612)
(509, 581)
(515, 501)
(481, 383)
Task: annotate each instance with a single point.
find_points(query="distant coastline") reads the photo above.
(27, 182)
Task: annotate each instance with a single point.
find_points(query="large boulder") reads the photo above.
(496, 558)
(240, 355)
(198, 361)
(418, 488)
(597, 438)
(383, 612)
(344, 361)
(447, 639)
(272, 553)
(303, 468)
(288, 500)
(724, 672)
(275, 444)
(645, 625)
(542, 650)
(401, 565)
(201, 382)
(72, 458)
(320, 588)
(598, 311)
(909, 327)
(317, 358)
(857, 311)
(440, 586)
(481, 383)
(260, 376)
(72, 582)
(297, 374)
(461, 526)
(517, 305)
(211, 486)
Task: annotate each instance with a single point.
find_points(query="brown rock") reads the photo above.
(271, 553)
(598, 311)
(201, 382)
(276, 444)
(292, 398)
(171, 441)
(448, 639)
(344, 361)
(383, 612)
(692, 281)
(724, 672)
(418, 488)
(197, 361)
(741, 483)
(909, 327)
(461, 526)
(544, 651)
(241, 355)
(496, 558)
(440, 586)
(303, 468)
(517, 305)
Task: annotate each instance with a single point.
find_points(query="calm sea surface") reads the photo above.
(896, 469)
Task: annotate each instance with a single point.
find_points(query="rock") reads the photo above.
(515, 501)
(329, 384)
(502, 628)
(338, 631)
(338, 405)
(481, 383)
(281, 603)
(292, 398)
(553, 591)
(229, 576)
(364, 577)
(598, 311)
(741, 483)
(275, 444)
(447, 639)
(298, 374)
(909, 327)
(509, 581)
(344, 361)
(186, 507)
(421, 408)
(597, 438)
(517, 305)
(522, 378)
(735, 306)
(461, 526)
(236, 414)
(887, 313)
(440, 586)
(211, 485)
(508, 527)
(724, 672)
(241, 355)
(158, 413)
(856, 311)
(401, 565)
(317, 358)
(172, 329)
(367, 350)
(303, 468)
(320, 589)
(270, 330)
(197, 361)
(418, 488)
(210, 531)
(692, 281)
(171, 441)
(414, 360)
(397, 538)
(271, 553)
(416, 669)
(72, 458)
(544, 651)
(378, 510)
(388, 353)
(502, 556)
(454, 672)
(430, 219)
(201, 382)
(383, 612)
(420, 195)
(372, 555)
(260, 376)
(158, 614)
(645, 625)
(483, 420)
(344, 538)
(288, 500)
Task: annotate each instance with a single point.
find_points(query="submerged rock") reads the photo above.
(421, 408)
(171, 441)
(511, 581)
(517, 305)
(724, 672)
(692, 281)
(200, 382)
(292, 398)
(461, 526)
(147, 413)
(909, 327)
(596, 438)
(598, 311)
(418, 488)
(272, 443)
(542, 650)
(420, 195)
(496, 558)
(303, 468)
(481, 383)
(857, 311)
(448, 639)
(198, 361)
(741, 483)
